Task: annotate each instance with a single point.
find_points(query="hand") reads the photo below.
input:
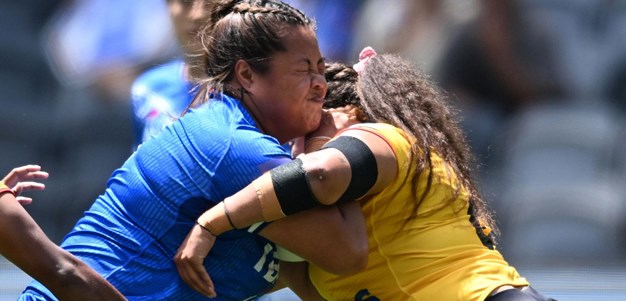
(333, 120)
(297, 147)
(190, 257)
(345, 116)
(327, 126)
(19, 178)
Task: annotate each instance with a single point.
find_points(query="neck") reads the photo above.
(249, 103)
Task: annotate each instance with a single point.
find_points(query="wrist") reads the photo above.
(206, 229)
(4, 189)
(214, 221)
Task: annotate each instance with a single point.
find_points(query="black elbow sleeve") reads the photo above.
(362, 164)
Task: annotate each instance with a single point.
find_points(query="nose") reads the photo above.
(318, 81)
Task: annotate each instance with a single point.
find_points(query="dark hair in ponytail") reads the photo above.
(250, 30)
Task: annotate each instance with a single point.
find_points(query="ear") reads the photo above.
(244, 74)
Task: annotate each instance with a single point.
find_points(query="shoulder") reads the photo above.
(223, 119)
(397, 139)
(394, 136)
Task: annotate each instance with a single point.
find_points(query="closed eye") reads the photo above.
(321, 68)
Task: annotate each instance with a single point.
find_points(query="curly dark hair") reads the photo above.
(391, 90)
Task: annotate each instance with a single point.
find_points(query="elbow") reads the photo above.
(359, 259)
(357, 264)
(71, 273)
(349, 267)
(327, 178)
(64, 279)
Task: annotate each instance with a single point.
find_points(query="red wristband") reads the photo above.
(4, 188)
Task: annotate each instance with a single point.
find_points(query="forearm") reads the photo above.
(24, 243)
(319, 180)
(337, 230)
(22, 240)
(75, 280)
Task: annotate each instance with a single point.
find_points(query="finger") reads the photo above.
(26, 172)
(24, 200)
(297, 147)
(205, 280)
(183, 271)
(188, 274)
(36, 175)
(23, 170)
(26, 186)
(187, 268)
(327, 117)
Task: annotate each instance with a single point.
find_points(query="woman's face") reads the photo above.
(289, 97)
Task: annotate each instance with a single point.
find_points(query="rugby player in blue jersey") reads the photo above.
(162, 93)
(264, 86)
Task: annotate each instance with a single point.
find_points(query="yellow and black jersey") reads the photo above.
(433, 253)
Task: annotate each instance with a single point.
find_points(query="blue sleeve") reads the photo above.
(158, 98)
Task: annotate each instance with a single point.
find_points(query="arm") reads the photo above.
(337, 230)
(333, 238)
(24, 243)
(328, 175)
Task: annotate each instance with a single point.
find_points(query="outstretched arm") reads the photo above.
(24, 243)
(359, 164)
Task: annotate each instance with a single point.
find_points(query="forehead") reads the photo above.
(302, 46)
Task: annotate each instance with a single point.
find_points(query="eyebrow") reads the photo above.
(322, 60)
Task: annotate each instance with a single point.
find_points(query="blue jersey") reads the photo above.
(132, 232)
(159, 96)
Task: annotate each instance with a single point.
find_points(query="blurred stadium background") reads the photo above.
(540, 86)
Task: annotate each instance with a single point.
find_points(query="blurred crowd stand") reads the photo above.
(532, 81)
(65, 73)
(336, 24)
(418, 30)
(540, 86)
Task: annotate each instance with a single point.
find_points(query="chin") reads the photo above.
(313, 125)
